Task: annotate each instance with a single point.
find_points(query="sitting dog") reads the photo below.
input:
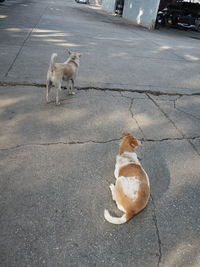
(131, 190)
(59, 72)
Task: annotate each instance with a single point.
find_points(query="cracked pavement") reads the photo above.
(57, 162)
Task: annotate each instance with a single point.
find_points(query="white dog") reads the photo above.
(59, 72)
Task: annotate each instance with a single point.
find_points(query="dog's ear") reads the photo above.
(134, 142)
(69, 52)
(125, 134)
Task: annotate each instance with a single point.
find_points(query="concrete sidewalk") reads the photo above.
(57, 162)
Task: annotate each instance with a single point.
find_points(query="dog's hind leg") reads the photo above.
(68, 87)
(48, 88)
(112, 189)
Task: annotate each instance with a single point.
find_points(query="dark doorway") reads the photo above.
(119, 7)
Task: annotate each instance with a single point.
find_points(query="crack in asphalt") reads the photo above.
(174, 124)
(180, 110)
(98, 142)
(187, 113)
(133, 117)
(169, 139)
(128, 97)
(171, 100)
(157, 232)
(61, 143)
(144, 139)
(151, 92)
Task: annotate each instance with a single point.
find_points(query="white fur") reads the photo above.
(125, 159)
(130, 186)
(114, 220)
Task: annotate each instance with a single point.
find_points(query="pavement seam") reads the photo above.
(61, 143)
(170, 139)
(23, 44)
(173, 123)
(183, 111)
(187, 113)
(128, 97)
(151, 92)
(171, 100)
(98, 142)
(157, 232)
(132, 114)
(133, 117)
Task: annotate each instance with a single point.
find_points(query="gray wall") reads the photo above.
(95, 2)
(141, 12)
(108, 5)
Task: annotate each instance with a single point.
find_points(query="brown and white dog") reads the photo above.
(131, 190)
(59, 72)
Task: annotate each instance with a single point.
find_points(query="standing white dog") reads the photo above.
(59, 72)
(131, 190)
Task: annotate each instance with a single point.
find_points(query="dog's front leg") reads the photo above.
(57, 93)
(71, 88)
(48, 87)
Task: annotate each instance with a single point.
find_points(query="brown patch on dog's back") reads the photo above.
(132, 169)
(135, 171)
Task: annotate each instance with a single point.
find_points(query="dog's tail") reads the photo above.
(52, 61)
(116, 220)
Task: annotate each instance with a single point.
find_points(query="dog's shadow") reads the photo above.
(156, 167)
(64, 96)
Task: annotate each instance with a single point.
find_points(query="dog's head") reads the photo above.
(73, 55)
(127, 143)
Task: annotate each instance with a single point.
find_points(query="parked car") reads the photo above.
(180, 15)
(82, 1)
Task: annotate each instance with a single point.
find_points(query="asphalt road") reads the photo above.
(57, 162)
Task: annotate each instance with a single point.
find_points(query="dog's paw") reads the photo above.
(57, 101)
(112, 189)
(71, 93)
(111, 186)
